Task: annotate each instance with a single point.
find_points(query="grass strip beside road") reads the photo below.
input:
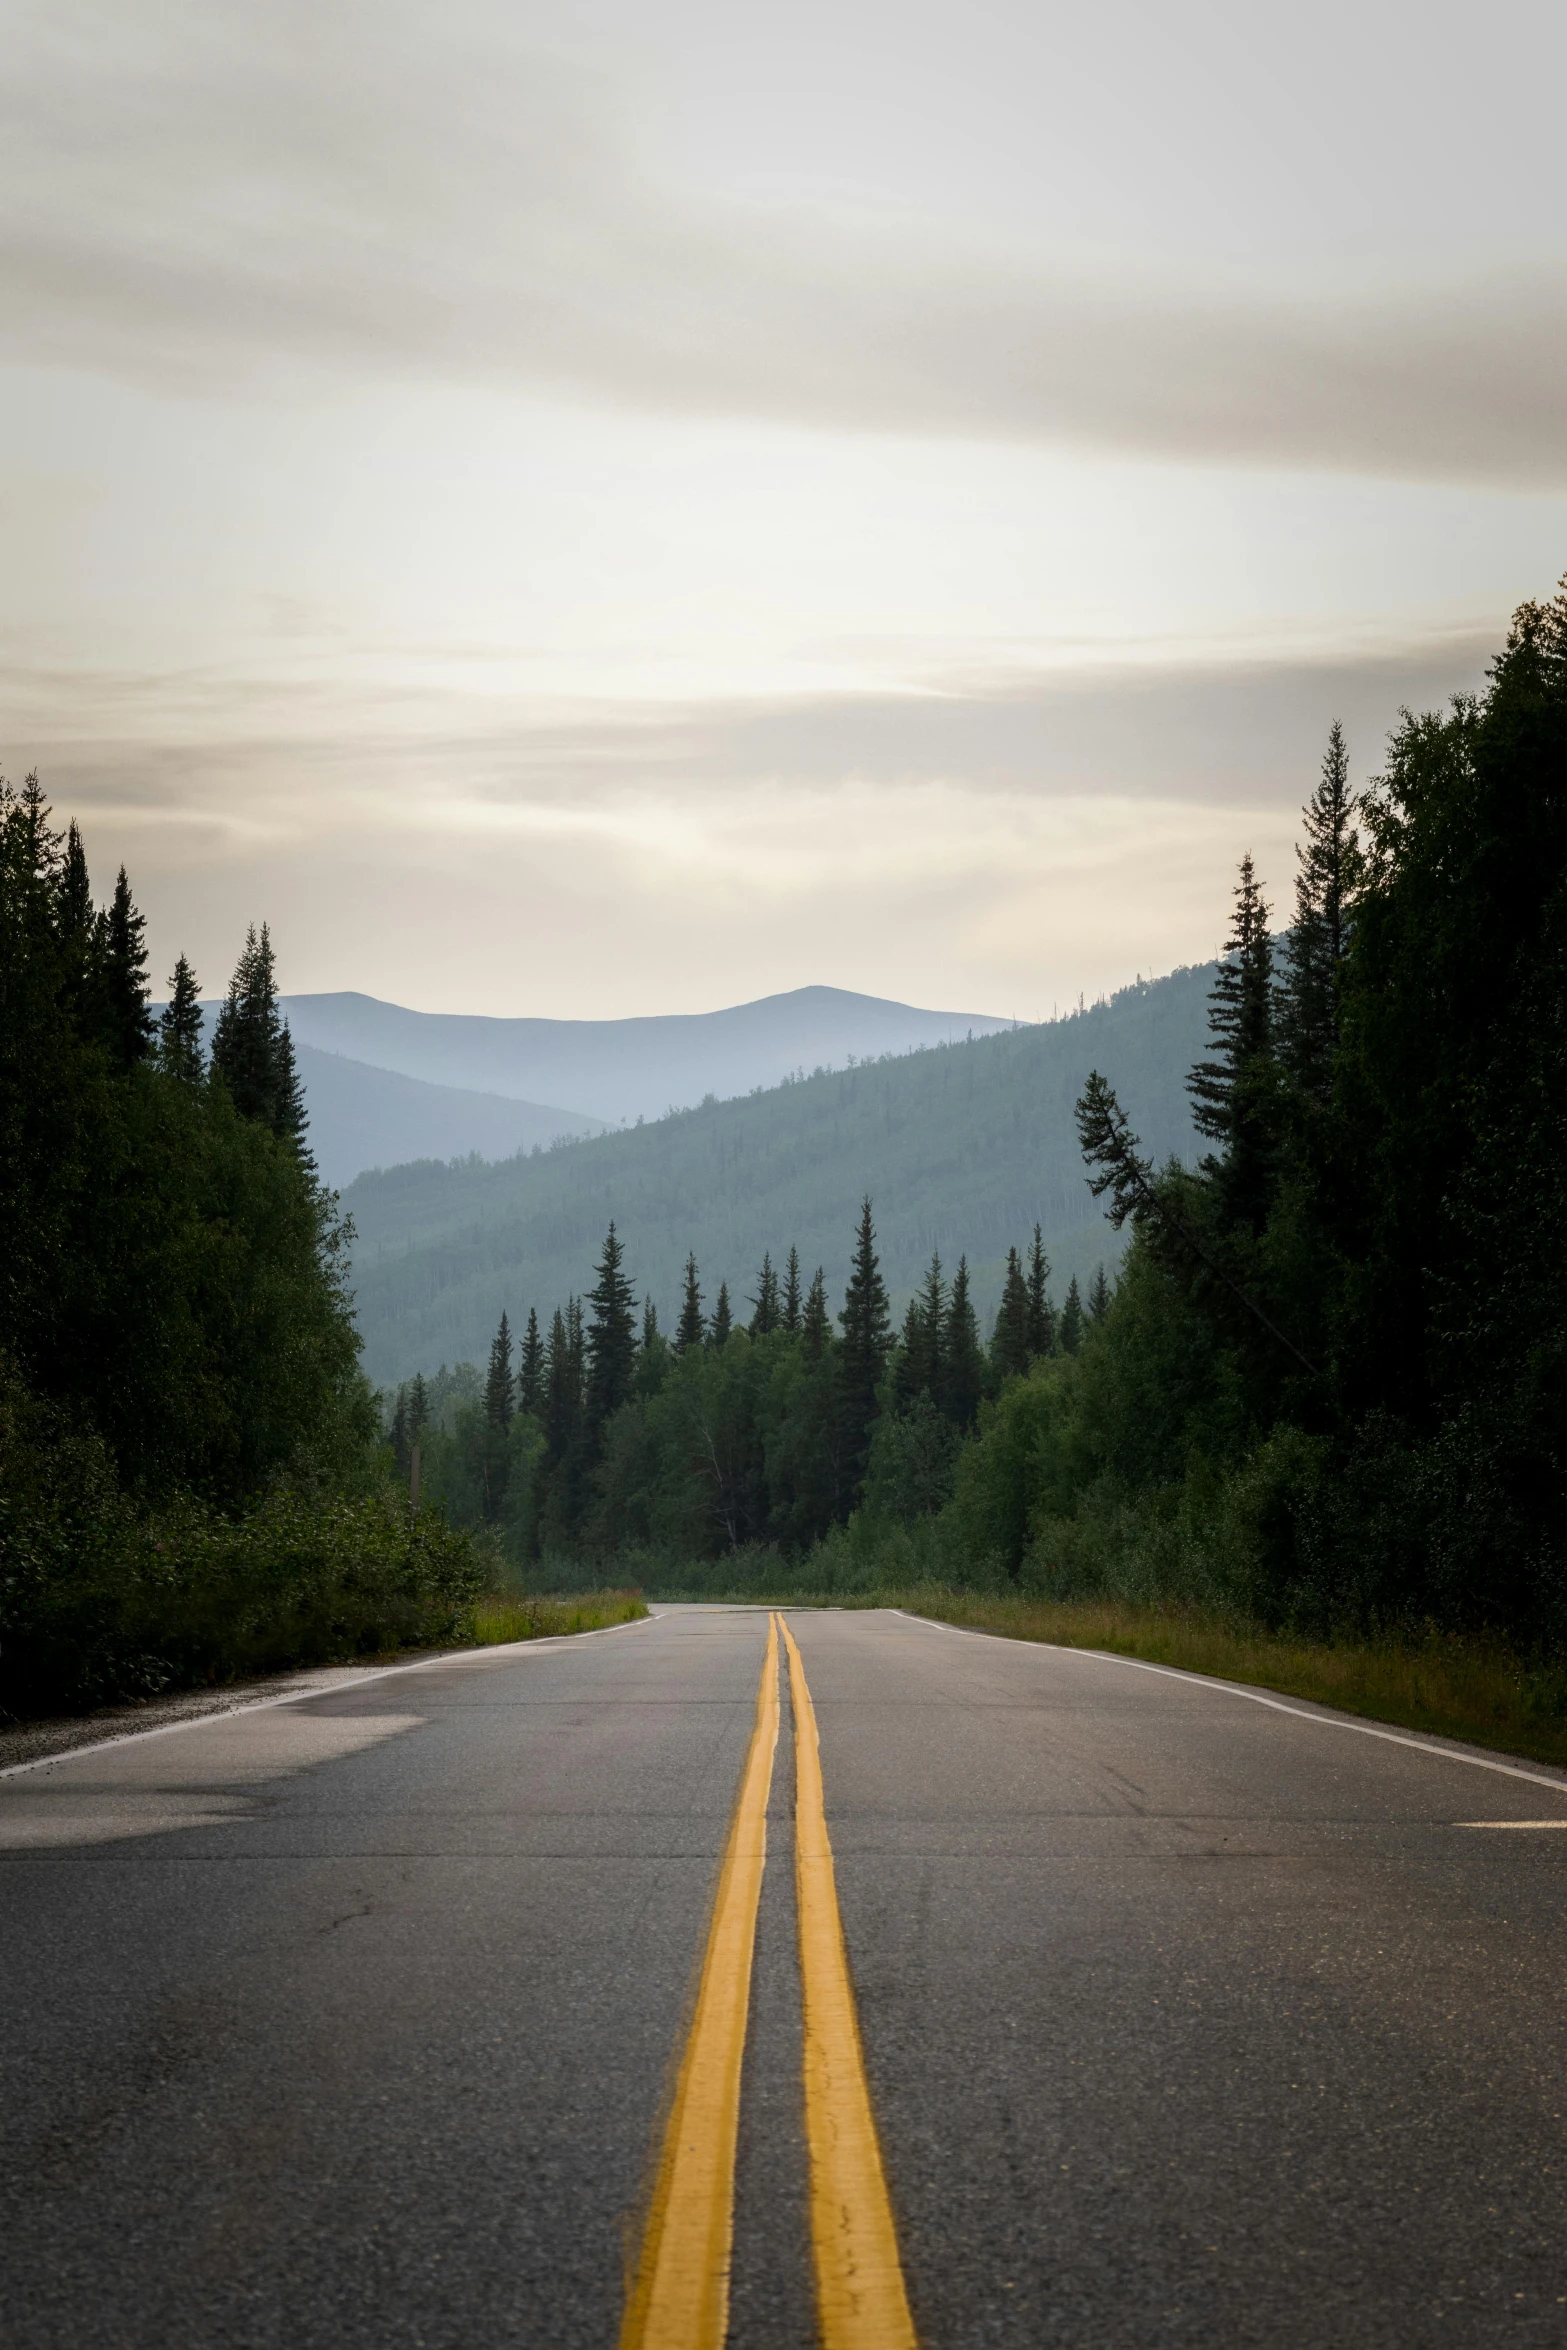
(1446, 1686)
(860, 2298)
(498, 1620)
(679, 2298)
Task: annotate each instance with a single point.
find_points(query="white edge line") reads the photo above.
(259, 1705)
(1328, 1720)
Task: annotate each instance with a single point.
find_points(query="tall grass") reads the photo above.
(501, 1619)
(1454, 1687)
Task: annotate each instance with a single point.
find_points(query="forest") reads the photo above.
(192, 1478)
(1326, 1389)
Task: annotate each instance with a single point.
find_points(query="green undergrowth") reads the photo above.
(501, 1619)
(1452, 1687)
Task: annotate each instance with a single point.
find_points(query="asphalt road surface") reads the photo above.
(1186, 2019)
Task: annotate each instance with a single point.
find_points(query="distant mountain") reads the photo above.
(613, 1070)
(962, 1149)
(362, 1117)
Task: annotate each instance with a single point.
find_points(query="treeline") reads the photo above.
(600, 1436)
(1329, 1387)
(191, 1475)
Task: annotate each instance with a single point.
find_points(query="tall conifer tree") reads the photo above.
(1041, 1319)
(1098, 1295)
(792, 1299)
(1232, 1091)
(1331, 873)
(691, 1328)
(530, 1369)
(723, 1319)
(965, 1379)
(866, 1342)
(765, 1306)
(179, 1027)
(1010, 1352)
(1070, 1331)
(611, 1338)
(815, 1322)
(122, 958)
(499, 1388)
(922, 1363)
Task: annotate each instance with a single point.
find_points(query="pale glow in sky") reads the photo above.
(569, 512)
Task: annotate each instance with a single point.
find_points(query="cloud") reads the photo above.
(207, 196)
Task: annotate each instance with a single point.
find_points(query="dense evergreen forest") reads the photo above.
(964, 1148)
(1328, 1385)
(191, 1473)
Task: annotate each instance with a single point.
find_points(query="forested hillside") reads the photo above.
(963, 1147)
(1329, 1386)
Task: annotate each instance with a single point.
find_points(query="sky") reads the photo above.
(589, 509)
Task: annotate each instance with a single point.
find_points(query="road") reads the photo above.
(1186, 2020)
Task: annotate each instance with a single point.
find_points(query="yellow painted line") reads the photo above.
(680, 2297)
(860, 2299)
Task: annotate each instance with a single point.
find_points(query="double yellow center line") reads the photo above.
(680, 2297)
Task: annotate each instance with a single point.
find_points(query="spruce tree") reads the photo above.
(765, 1307)
(611, 1338)
(499, 1386)
(965, 1369)
(922, 1361)
(1041, 1318)
(179, 1027)
(1098, 1295)
(122, 956)
(76, 929)
(815, 1322)
(1070, 1332)
(723, 1320)
(792, 1300)
(650, 1332)
(1331, 872)
(252, 1050)
(530, 1368)
(691, 1328)
(867, 1335)
(418, 1408)
(1232, 1091)
(398, 1433)
(1010, 1352)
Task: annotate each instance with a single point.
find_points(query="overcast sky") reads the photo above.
(604, 508)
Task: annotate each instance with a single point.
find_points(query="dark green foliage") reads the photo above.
(1233, 1091)
(1330, 876)
(767, 1312)
(963, 1380)
(122, 963)
(176, 1347)
(179, 1028)
(723, 1320)
(1098, 1295)
(1069, 1330)
(611, 1339)
(252, 1050)
(1041, 1318)
(922, 1355)
(865, 1345)
(792, 1301)
(691, 1329)
(1010, 1351)
(530, 1369)
(499, 1384)
(815, 1322)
